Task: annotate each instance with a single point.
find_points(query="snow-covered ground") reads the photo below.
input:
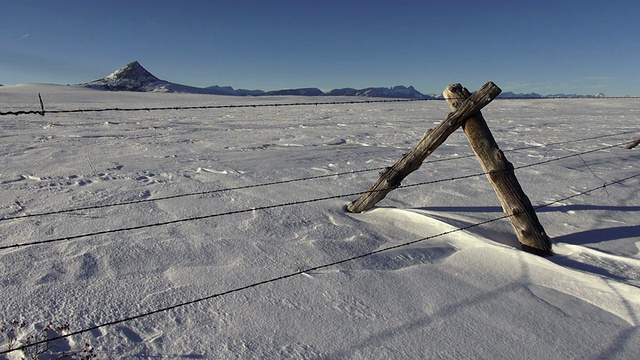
(466, 294)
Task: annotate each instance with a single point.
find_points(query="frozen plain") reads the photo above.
(466, 294)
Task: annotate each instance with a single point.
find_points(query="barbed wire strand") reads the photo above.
(306, 270)
(209, 192)
(42, 111)
(267, 207)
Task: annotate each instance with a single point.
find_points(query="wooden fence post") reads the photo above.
(391, 177)
(515, 202)
(633, 144)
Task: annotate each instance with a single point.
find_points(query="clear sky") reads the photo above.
(546, 47)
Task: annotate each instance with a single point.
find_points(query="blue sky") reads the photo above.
(547, 47)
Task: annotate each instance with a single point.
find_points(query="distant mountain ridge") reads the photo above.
(395, 91)
(297, 92)
(228, 90)
(511, 95)
(134, 77)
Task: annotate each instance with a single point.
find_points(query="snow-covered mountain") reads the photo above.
(131, 77)
(391, 92)
(134, 77)
(299, 92)
(228, 90)
(511, 95)
(398, 91)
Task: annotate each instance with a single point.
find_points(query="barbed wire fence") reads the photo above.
(286, 204)
(42, 111)
(317, 177)
(306, 270)
(298, 272)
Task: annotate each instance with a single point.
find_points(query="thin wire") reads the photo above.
(209, 192)
(302, 271)
(515, 168)
(573, 141)
(203, 107)
(42, 111)
(206, 192)
(566, 97)
(267, 207)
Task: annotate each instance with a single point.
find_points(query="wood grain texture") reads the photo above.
(514, 201)
(391, 177)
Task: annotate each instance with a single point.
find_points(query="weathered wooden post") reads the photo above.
(514, 201)
(391, 177)
(633, 144)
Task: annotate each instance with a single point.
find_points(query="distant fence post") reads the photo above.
(41, 105)
(499, 170)
(633, 144)
(391, 177)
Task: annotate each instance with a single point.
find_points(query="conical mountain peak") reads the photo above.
(133, 71)
(131, 77)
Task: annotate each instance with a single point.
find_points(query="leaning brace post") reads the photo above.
(392, 176)
(633, 144)
(515, 202)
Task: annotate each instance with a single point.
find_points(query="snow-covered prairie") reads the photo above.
(466, 294)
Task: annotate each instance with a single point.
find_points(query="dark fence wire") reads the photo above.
(306, 270)
(209, 192)
(43, 112)
(289, 275)
(300, 202)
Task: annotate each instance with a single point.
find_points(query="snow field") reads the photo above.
(468, 294)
